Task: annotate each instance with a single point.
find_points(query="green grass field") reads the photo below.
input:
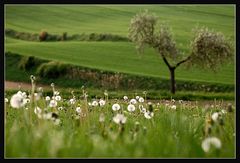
(183, 125)
(169, 133)
(107, 56)
(116, 56)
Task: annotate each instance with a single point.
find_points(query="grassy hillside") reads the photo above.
(108, 56)
(116, 56)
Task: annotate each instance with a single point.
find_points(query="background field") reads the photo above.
(117, 56)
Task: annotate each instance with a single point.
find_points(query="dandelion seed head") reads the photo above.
(47, 116)
(137, 97)
(215, 116)
(72, 101)
(47, 98)
(102, 102)
(120, 119)
(148, 115)
(95, 103)
(33, 78)
(133, 101)
(210, 142)
(174, 107)
(56, 122)
(131, 108)
(60, 108)
(17, 101)
(27, 100)
(52, 84)
(116, 107)
(58, 98)
(125, 98)
(101, 117)
(224, 111)
(53, 104)
(78, 110)
(141, 99)
(56, 93)
(37, 110)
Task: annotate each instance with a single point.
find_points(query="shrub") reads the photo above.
(64, 36)
(28, 62)
(52, 69)
(43, 36)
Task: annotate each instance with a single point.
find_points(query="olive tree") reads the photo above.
(208, 49)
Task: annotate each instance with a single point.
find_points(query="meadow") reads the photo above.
(42, 126)
(118, 103)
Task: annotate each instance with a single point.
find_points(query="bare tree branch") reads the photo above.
(185, 60)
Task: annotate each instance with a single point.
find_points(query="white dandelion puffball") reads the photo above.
(37, 96)
(72, 101)
(17, 101)
(148, 115)
(53, 104)
(47, 116)
(144, 110)
(116, 107)
(78, 110)
(125, 98)
(101, 117)
(102, 102)
(224, 111)
(47, 98)
(6, 100)
(56, 93)
(94, 103)
(37, 110)
(133, 101)
(211, 142)
(137, 97)
(56, 122)
(215, 116)
(90, 104)
(131, 108)
(58, 98)
(141, 99)
(60, 108)
(173, 107)
(24, 94)
(26, 100)
(120, 119)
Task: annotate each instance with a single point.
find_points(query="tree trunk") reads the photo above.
(173, 84)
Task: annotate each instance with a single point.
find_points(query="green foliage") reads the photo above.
(52, 70)
(43, 36)
(64, 36)
(163, 136)
(21, 35)
(210, 49)
(78, 76)
(29, 62)
(142, 32)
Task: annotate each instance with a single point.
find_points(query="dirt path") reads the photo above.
(17, 85)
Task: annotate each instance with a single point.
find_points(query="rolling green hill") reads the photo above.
(116, 56)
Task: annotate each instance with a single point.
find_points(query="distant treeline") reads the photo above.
(46, 36)
(107, 79)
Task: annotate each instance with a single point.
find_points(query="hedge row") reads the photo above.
(45, 36)
(112, 80)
